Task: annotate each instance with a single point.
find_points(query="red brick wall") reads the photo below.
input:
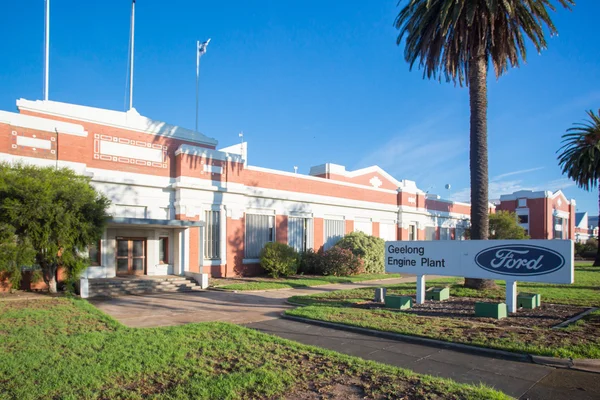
(319, 233)
(349, 226)
(281, 228)
(376, 229)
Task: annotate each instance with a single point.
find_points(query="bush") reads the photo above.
(311, 262)
(369, 248)
(338, 261)
(279, 259)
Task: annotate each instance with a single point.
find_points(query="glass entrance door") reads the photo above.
(131, 256)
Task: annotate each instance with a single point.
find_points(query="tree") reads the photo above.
(457, 39)
(55, 211)
(503, 225)
(579, 156)
(14, 253)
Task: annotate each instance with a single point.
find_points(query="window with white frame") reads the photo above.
(334, 231)
(212, 235)
(412, 232)
(300, 233)
(523, 218)
(363, 225)
(558, 228)
(522, 203)
(260, 230)
(387, 231)
(430, 233)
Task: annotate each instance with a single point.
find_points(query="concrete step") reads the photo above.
(116, 287)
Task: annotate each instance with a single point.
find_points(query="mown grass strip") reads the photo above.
(301, 282)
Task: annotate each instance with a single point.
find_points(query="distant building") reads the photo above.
(543, 214)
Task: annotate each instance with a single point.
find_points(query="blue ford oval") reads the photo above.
(519, 259)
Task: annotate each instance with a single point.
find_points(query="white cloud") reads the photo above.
(522, 171)
(418, 152)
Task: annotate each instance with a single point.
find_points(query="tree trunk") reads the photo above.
(597, 260)
(478, 158)
(50, 277)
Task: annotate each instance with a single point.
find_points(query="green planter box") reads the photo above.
(400, 302)
(438, 294)
(529, 300)
(490, 310)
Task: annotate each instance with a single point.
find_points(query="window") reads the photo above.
(94, 254)
(459, 233)
(260, 229)
(522, 203)
(212, 235)
(363, 225)
(523, 219)
(163, 250)
(300, 233)
(430, 233)
(387, 231)
(444, 233)
(334, 231)
(412, 232)
(558, 228)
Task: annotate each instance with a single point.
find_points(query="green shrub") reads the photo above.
(579, 248)
(311, 262)
(369, 248)
(338, 261)
(279, 259)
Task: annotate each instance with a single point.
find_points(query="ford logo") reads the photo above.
(519, 259)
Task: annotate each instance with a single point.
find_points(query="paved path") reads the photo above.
(202, 306)
(262, 310)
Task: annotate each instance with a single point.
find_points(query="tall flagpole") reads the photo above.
(197, 78)
(47, 50)
(131, 55)
(200, 50)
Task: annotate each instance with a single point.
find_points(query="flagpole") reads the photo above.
(131, 55)
(197, 78)
(47, 50)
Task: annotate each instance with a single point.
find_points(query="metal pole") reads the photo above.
(47, 50)
(197, 78)
(131, 55)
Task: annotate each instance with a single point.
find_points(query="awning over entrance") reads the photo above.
(154, 223)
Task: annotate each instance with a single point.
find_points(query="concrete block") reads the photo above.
(491, 310)
(438, 294)
(400, 302)
(380, 295)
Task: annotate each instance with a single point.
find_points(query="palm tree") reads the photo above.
(457, 39)
(580, 156)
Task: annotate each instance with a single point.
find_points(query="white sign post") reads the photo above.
(548, 261)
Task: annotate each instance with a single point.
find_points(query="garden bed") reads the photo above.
(463, 308)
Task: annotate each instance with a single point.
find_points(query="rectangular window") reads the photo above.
(334, 231)
(300, 233)
(523, 219)
(94, 254)
(260, 229)
(387, 231)
(430, 233)
(163, 250)
(212, 235)
(412, 232)
(444, 233)
(522, 203)
(558, 228)
(363, 225)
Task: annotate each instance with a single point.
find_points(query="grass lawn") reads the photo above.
(299, 281)
(63, 348)
(337, 307)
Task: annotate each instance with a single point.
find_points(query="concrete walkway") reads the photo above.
(262, 311)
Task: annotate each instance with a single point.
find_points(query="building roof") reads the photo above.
(581, 217)
(593, 221)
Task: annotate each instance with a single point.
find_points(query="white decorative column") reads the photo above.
(420, 289)
(511, 296)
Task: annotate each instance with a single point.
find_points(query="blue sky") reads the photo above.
(311, 82)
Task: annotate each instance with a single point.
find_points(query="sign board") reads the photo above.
(548, 261)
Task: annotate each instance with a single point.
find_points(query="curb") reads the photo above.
(587, 365)
(415, 339)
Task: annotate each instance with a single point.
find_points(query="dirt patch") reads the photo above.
(463, 308)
